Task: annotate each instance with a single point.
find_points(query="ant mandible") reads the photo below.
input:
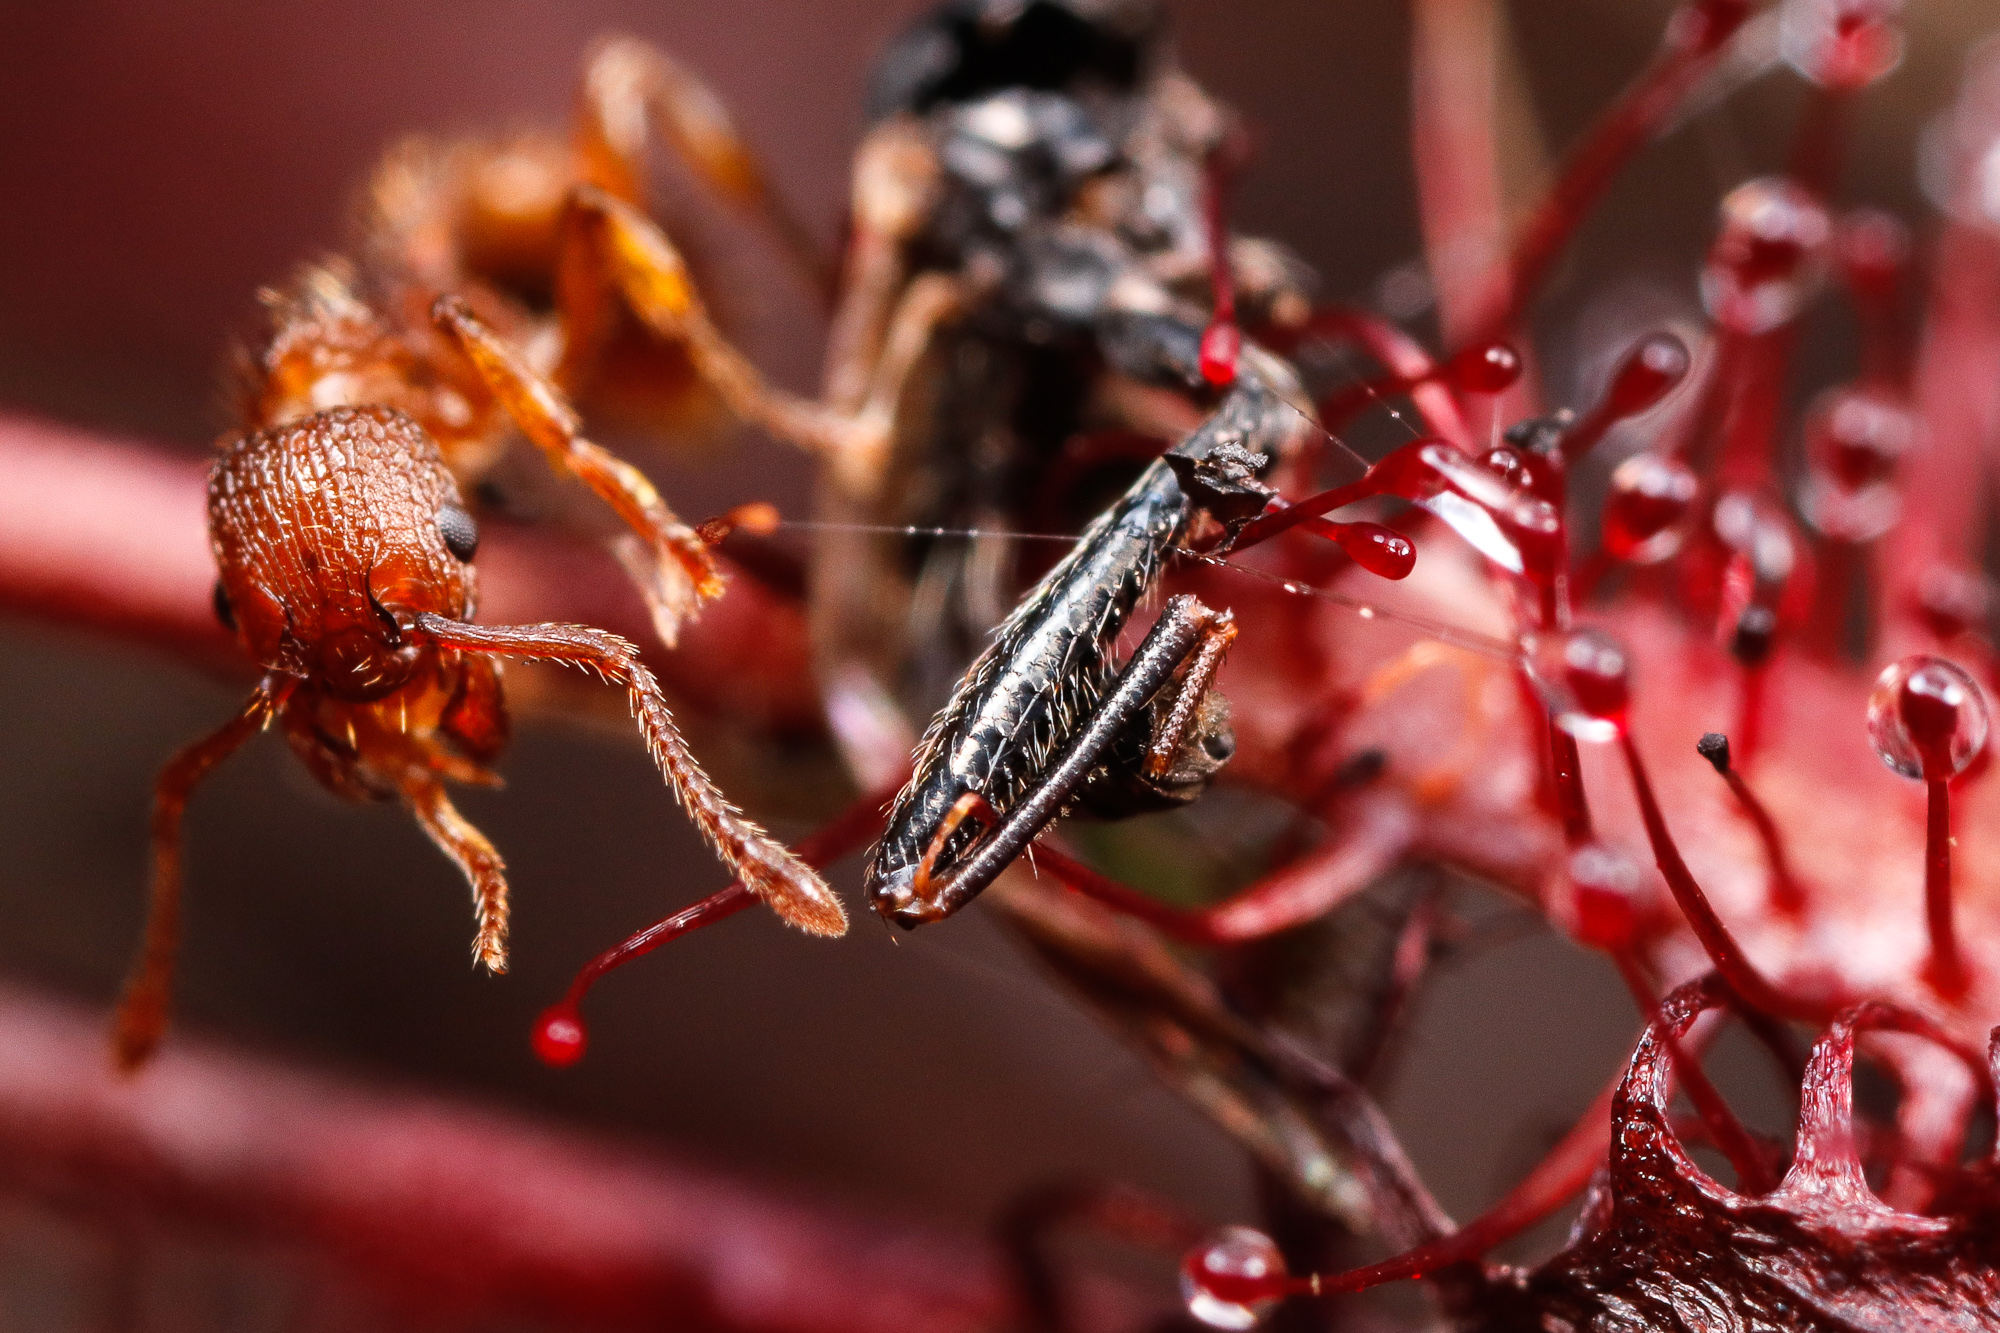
(345, 554)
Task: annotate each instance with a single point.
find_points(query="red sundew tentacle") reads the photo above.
(1381, 551)
(1454, 76)
(1404, 358)
(1376, 833)
(1566, 775)
(1696, 37)
(1721, 947)
(1484, 368)
(1222, 340)
(1654, 367)
(1751, 380)
(1872, 254)
(1787, 895)
(1957, 396)
(1947, 966)
(560, 1035)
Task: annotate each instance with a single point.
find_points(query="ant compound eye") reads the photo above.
(224, 612)
(460, 533)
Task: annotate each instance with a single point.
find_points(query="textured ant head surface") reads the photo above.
(331, 533)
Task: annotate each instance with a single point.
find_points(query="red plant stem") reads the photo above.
(448, 1214)
(1555, 1180)
(1698, 34)
(1377, 831)
(1566, 770)
(1751, 703)
(1786, 894)
(111, 535)
(1405, 359)
(1947, 967)
(1455, 143)
(1725, 1131)
(1716, 941)
(844, 833)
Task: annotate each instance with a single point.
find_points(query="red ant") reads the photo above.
(338, 522)
(345, 554)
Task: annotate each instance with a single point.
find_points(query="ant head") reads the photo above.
(331, 533)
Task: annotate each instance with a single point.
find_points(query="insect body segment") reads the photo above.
(1035, 719)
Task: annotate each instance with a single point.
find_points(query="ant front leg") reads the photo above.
(678, 572)
(1187, 641)
(786, 884)
(142, 1009)
(475, 858)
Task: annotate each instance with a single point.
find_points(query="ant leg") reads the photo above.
(678, 572)
(606, 239)
(607, 242)
(142, 1009)
(786, 884)
(629, 82)
(476, 859)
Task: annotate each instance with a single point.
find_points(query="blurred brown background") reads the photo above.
(159, 162)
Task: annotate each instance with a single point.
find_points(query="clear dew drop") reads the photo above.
(1584, 679)
(1649, 501)
(1927, 718)
(1769, 256)
(1233, 1279)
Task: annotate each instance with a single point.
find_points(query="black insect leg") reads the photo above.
(1187, 633)
(1173, 749)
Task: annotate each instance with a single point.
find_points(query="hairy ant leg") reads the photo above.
(785, 883)
(142, 1009)
(1177, 659)
(476, 859)
(678, 573)
(629, 83)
